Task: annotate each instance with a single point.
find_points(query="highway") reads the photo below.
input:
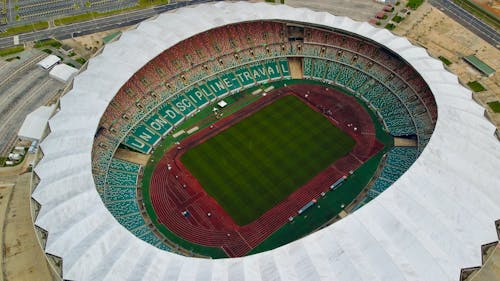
(20, 95)
(96, 25)
(486, 32)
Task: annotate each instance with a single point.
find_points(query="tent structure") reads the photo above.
(63, 72)
(48, 61)
(427, 226)
(35, 123)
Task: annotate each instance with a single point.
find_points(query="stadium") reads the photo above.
(239, 141)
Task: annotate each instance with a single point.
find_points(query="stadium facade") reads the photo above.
(427, 226)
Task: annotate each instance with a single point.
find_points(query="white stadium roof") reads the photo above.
(426, 226)
(35, 123)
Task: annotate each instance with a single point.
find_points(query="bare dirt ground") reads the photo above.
(442, 36)
(87, 45)
(22, 256)
(494, 7)
(131, 156)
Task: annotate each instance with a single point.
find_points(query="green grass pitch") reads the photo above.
(256, 163)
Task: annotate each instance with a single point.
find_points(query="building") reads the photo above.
(428, 225)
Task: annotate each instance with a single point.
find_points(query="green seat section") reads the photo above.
(196, 97)
(206, 91)
(132, 221)
(259, 72)
(122, 165)
(230, 81)
(285, 69)
(122, 208)
(183, 104)
(217, 86)
(357, 81)
(160, 125)
(117, 193)
(163, 247)
(272, 69)
(146, 135)
(245, 77)
(136, 144)
(118, 178)
(139, 231)
(319, 69)
(168, 113)
(151, 238)
(307, 67)
(345, 75)
(332, 71)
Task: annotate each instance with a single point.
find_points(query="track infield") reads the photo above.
(258, 162)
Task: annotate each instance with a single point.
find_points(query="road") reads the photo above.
(469, 21)
(29, 88)
(96, 25)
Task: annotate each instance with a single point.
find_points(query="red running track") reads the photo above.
(176, 190)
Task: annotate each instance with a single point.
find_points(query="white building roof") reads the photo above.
(427, 226)
(63, 72)
(35, 123)
(49, 61)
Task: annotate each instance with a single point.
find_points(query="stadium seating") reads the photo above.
(357, 81)
(121, 165)
(332, 71)
(245, 77)
(344, 75)
(118, 193)
(119, 196)
(308, 67)
(398, 160)
(120, 178)
(319, 69)
(213, 65)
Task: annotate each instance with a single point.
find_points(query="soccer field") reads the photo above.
(256, 163)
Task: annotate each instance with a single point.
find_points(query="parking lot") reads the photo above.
(30, 11)
(24, 88)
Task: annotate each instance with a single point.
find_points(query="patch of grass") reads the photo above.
(479, 12)
(331, 205)
(378, 23)
(384, 17)
(258, 162)
(397, 19)
(48, 42)
(495, 106)
(48, 51)
(13, 58)
(414, 4)
(11, 50)
(25, 28)
(445, 60)
(81, 61)
(72, 65)
(390, 26)
(147, 3)
(72, 54)
(476, 86)
(94, 15)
